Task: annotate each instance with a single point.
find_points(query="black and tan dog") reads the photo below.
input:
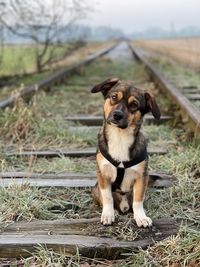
(122, 159)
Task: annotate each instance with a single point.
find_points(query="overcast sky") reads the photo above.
(133, 15)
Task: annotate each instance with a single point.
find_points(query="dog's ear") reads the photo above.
(152, 106)
(105, 86)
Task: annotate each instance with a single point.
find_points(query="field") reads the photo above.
(185, 50)
(20, 59)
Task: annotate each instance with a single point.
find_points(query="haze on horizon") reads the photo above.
(139, 15)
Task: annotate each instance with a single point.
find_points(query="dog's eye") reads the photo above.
(134, 105)
(114, 97)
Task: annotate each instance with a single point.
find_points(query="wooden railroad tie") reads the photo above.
(190, 89)
(97, 120)
(193, 96)
(76, 153)
(87, 235)
(157, 180)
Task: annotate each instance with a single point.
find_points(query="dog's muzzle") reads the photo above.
(118, 118)
(118, 115)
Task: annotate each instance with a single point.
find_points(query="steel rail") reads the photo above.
(190, 114)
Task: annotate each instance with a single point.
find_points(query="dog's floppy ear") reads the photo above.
(105, 86)
(152, 106)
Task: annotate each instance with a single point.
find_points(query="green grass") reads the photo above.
(23, 203)
(22, 127)
(41, 165)
(20, 59)
(27, 203)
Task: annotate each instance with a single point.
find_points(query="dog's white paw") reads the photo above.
(140, 216)
(143, 221)
(107, 216)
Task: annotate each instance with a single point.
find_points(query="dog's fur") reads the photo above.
(124, 108)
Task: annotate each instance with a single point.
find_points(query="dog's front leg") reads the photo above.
(139, 189)
(107, 216)
(105, 174)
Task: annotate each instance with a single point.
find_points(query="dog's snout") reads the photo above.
(118, 115)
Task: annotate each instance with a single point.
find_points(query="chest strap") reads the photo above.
(141, 156)
(117, 183)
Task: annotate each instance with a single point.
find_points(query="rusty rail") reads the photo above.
(54, 79)
(190, 114)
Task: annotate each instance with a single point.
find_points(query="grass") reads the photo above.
(27, 203)
(22, 203)
(22, 127)
(20, 59)
(47, 257)
(41, 165)
(43, 126)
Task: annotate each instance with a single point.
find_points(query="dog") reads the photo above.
(121, 158)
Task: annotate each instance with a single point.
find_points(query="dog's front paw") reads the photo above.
(142, 220)
(107, 216)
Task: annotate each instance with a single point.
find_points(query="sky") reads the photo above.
(138, 15)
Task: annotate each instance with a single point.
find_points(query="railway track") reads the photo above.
(189, 112)
(49, 170)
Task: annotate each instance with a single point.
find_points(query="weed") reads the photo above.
(44, 257)
(16, 123)
(22, 203)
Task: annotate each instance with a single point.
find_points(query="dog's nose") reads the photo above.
(118, 115)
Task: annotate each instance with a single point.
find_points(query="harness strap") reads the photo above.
(119, 179)
(127, 164)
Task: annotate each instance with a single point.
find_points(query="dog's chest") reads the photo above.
(119, 142)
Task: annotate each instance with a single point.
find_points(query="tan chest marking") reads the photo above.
(119, 142)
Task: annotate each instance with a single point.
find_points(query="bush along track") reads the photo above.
(55, 225)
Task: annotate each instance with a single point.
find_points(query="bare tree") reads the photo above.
(44, 23)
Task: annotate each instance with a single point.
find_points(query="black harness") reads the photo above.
(139, 157)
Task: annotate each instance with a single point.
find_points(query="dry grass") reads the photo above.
(185, 50)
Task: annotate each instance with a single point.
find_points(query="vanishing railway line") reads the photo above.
(183, 99)
(51, 160)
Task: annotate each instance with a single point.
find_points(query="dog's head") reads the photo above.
(125, 104)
